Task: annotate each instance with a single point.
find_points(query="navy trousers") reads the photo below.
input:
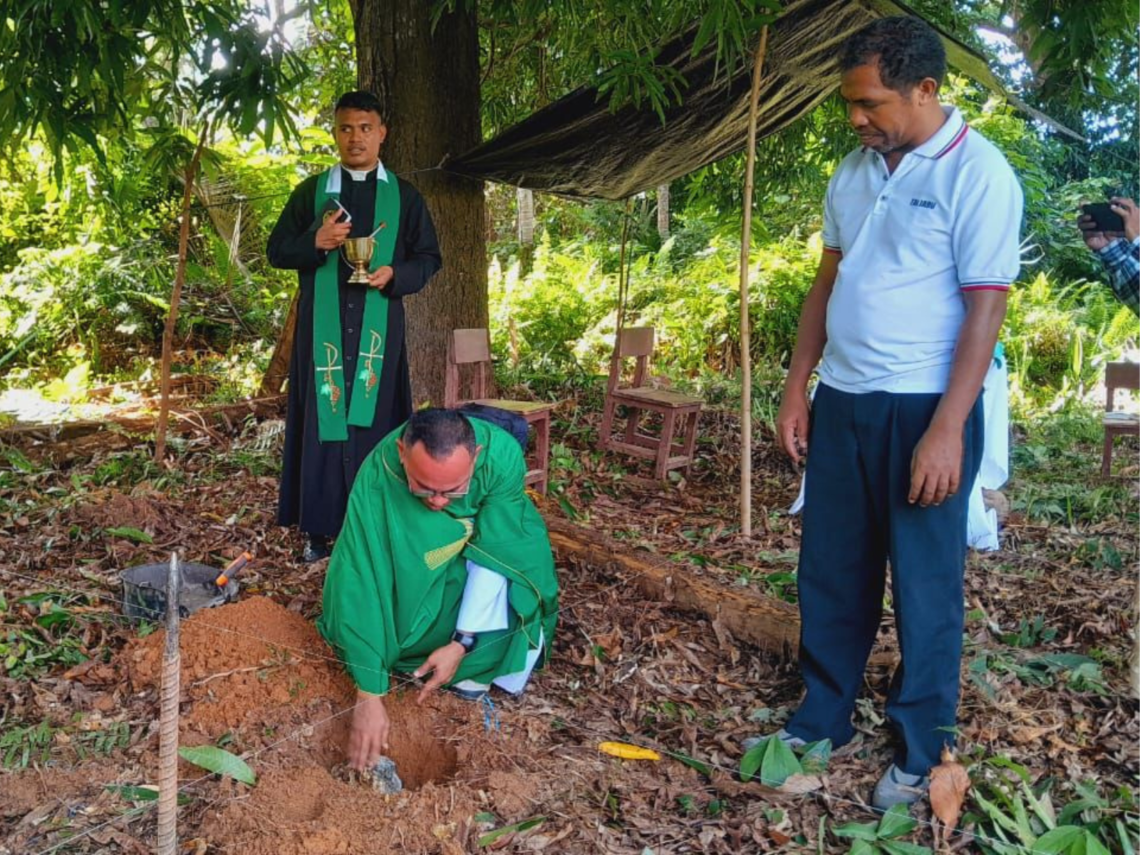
(856, 518)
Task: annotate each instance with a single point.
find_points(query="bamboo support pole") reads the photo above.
(745, 333)
(168, 720)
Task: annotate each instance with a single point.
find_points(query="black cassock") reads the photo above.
(317, 476)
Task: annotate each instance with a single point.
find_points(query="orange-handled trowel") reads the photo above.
(232, 570)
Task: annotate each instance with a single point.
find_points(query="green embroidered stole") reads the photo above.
(334, 414)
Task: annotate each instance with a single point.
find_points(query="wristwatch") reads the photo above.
(466, 640)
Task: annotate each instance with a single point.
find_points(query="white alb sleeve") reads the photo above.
(484, 605)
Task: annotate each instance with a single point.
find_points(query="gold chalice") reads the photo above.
(358, 253)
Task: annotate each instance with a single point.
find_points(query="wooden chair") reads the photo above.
(673, 449)
(472, 347)
(1118, 375)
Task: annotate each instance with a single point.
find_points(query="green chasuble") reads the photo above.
(397, 574)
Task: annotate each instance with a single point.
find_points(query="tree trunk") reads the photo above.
(428, 82)
(663, 211)
(278, 371)
(176, 295)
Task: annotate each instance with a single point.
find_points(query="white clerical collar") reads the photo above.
(361, 174)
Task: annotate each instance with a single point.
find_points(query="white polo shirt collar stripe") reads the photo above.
(946, 138)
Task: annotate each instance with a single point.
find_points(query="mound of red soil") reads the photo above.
(241, 664)
(262, 675)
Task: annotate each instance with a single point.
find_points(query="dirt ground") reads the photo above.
(258, 681)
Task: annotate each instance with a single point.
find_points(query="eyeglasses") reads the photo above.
(447, 494)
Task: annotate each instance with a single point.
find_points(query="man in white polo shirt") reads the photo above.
(920, 246)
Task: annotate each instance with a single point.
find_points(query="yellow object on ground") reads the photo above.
(628, 752)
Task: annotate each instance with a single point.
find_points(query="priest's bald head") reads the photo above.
(438, 452)
(359, 129)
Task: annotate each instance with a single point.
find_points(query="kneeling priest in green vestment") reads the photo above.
(443, 568)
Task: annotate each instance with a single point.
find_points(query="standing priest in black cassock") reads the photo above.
(348, 377)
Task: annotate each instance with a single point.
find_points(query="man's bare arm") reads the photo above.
(811, 336)
(936, 466)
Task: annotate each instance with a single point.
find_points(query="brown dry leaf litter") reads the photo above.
(622, 668)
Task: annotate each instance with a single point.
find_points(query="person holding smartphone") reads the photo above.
(1116, 244)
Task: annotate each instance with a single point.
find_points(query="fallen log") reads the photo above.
(186, 420)
(768, 623)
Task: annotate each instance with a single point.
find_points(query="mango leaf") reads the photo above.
(218, 760)
(143, 793)
(1093, 846)
(134, 794)
(896, 822)
(901, 847)
(130, 533)
(857, 831)
(1125, 838)
(773, 759)
(526, 824)
(1058, 840)
(816, 756)
(692, 763)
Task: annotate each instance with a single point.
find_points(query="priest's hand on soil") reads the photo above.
(332, 232)
(444, 661)
(381, 277)
(368, 738)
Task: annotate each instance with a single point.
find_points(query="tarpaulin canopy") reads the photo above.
(578, 147)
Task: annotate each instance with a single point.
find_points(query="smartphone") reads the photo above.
(1105, 218)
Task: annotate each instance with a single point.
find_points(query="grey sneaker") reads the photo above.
(896, 787)
(792, 742)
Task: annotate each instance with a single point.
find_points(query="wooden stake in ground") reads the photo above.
(176, 295)
(745, 333)
(168, 720)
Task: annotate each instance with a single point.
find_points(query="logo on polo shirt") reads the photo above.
(923, 203)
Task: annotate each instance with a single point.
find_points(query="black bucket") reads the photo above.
(144, 590)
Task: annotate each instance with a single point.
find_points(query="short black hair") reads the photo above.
(440, 430)
(907, 50)
(359, 100)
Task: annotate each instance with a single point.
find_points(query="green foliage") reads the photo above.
(55, 643)
(1079, 673)
(33, 744)
(772, 762)
(1030, 633)
(882, 837)
(1057, 340)
(1016, 814)
(82, 73)
(21, 745)
(219, 761)
(563, 313)
(537, 50)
